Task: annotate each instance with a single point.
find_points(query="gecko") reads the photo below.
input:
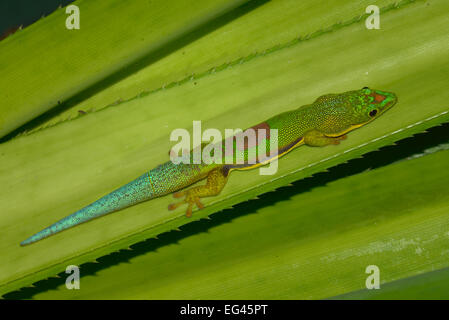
(324, 122)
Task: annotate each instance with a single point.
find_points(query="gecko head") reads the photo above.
(371, 103)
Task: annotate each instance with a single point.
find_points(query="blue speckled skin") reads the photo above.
(160, 181)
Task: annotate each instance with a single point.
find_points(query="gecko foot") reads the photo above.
(216, 180)
(190, 199)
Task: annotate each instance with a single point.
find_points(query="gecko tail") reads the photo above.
(130, 194)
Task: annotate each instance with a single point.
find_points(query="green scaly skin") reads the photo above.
(324, 122)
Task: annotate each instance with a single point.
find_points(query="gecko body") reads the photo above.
(324, 122)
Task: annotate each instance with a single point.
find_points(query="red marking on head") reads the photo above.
(378, 97)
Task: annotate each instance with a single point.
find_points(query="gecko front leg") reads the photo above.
(315, 138)
(216, 180)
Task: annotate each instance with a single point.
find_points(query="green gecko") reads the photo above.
(324, 122)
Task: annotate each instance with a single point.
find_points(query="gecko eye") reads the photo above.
(365, 88)
(372, 113)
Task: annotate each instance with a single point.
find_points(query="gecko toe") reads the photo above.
(173, 206)
(189, 211)
(179, 194)
(198, 203)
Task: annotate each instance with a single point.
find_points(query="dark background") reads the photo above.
(14, 13)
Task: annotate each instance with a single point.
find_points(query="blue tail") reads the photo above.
(130, 194)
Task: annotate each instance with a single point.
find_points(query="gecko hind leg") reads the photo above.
(216, 180)
(315, 138)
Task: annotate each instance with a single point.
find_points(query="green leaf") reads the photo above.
(52, 173)
(300, 244)
(46, 64)
(433, 285)
(270, 26)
